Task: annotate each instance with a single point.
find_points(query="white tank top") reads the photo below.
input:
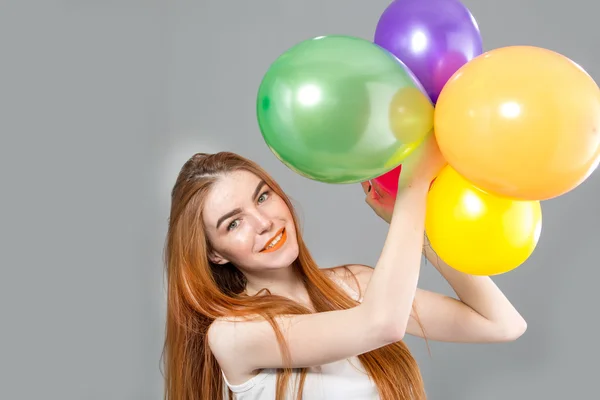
(341, 380)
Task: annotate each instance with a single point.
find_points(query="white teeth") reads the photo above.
(275, 241)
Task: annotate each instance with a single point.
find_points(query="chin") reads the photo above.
(284, 258)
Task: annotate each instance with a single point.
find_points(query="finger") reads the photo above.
(366, 186)
(378, 189)
(376, 195)
(371, 201)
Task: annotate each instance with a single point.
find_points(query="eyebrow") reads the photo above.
(239, 210)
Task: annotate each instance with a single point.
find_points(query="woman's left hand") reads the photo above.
(379, 200)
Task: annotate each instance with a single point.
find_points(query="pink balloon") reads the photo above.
(389, 180)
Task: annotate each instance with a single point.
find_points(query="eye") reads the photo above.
(263, 197)
(234, 224)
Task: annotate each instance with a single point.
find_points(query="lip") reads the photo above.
(279, 244)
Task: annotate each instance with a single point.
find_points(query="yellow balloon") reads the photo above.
(476, 232)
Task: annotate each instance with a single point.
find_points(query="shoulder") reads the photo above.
(223, 337)
(357, 276)
(218, 335)
(229, 337)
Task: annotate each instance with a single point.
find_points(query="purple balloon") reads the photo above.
(434, 38)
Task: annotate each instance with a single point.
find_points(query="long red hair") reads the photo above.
(199, 291)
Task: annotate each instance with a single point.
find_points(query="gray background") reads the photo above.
(102, 101)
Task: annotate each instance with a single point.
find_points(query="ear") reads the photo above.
(216, 258)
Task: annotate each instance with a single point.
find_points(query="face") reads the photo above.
(248, 224)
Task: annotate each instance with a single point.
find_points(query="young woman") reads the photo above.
(252, 316)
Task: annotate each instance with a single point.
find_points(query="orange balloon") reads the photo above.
(521, 122)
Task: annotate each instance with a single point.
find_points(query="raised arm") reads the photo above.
(320, 338)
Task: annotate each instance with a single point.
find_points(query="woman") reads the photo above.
(251, 314)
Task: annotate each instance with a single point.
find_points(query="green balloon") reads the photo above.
(326, 109)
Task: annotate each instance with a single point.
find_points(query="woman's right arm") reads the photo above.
(316, 339)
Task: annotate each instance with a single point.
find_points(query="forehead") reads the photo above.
(229, 191)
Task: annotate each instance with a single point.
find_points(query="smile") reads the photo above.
(276, 242)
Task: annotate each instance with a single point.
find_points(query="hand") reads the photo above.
(420, 168)
(379, 200)
(423, 165)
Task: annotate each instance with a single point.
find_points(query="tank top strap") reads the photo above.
(249, 384)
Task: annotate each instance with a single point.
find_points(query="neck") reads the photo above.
(283, 282)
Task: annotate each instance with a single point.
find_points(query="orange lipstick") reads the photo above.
(278, 244)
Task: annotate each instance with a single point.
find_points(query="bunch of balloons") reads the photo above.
(517, 125)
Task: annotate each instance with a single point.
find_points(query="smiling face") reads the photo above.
(248, 224)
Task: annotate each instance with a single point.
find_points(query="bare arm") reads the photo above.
(481, 314)
(320, 338)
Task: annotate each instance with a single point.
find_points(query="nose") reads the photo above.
(263, 223)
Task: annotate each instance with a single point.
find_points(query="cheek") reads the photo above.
(241, 240)
(281, 209)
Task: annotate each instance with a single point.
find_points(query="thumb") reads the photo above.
(366, 187)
